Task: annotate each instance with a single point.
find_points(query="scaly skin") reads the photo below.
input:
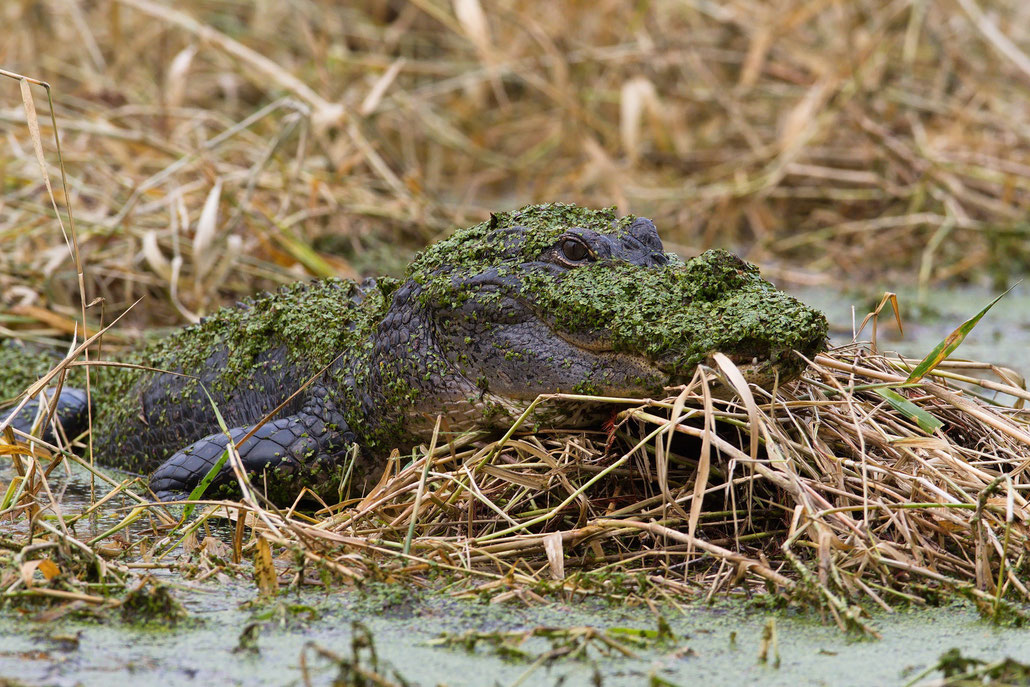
(550, 298)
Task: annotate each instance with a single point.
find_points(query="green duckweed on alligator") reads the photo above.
(545, 299)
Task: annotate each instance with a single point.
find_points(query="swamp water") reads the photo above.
(717, 645)
(310, 638)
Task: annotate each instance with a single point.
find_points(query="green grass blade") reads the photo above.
(950, 343)
(927, 422)
(201, 488)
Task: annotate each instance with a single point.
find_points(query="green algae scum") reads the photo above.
(432, 641)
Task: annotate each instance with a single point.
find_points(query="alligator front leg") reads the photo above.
(281, 458)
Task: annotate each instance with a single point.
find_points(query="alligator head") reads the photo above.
(556, 298)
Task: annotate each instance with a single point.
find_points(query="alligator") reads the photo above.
(549, 298)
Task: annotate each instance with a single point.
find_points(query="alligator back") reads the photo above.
(245, 360)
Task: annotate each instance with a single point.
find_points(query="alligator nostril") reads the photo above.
(644, 231)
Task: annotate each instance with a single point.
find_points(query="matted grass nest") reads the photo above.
(841, 490)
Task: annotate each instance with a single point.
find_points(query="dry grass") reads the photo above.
(822, 494)
(226, 146)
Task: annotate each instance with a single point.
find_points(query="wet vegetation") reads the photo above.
(962, 671)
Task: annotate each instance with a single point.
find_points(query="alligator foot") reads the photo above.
(281, 458)
(72, 414)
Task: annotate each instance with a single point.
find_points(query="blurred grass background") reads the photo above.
(219, 147)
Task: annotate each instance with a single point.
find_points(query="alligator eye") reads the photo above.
(574, 250)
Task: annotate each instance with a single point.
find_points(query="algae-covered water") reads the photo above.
(718, 646)
(227, 641)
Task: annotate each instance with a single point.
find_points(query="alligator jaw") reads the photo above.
(779, 368)
(762, 371)
(756, 371)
